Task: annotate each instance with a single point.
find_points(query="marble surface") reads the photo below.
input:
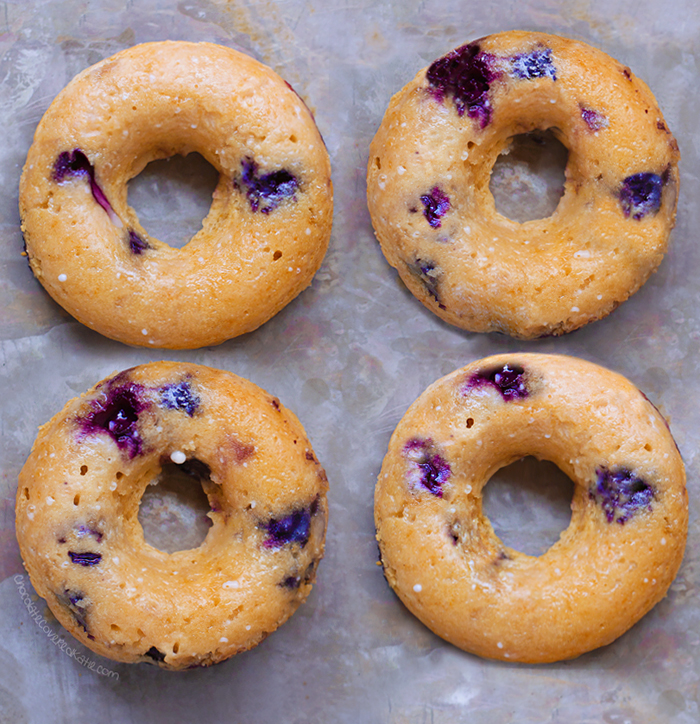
(348, 356)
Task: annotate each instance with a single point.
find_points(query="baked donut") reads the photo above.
(84, 548)
(435, 217)
(260, 244)
(611, 565)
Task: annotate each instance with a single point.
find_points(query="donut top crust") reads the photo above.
(263, 238)
(614, 561)
(435, 217)
(84, 548)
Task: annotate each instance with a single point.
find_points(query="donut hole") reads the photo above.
(527, 180)
(174, 511)
(172, 196)
(529, 504)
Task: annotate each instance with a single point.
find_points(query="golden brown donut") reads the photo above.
(434, 215)
(629, 519)
(83, 546)
(270, 220)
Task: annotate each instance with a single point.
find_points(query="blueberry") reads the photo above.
(85, 559)
(594, 120)
(426, 466)
(620, 494)
(464, 75)
(436, 204)
(154, 654)
(117, 414)
(71, 164)
(640, 195)
(291, 582)
(537, 64)
(180, 397)
(428, 274)
(509, 380)
(265, 193)
(293, 528)
(136, 243)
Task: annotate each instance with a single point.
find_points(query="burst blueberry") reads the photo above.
(537, 64)
(85, 559)
(464, 75)
(266, 192)
(180, 397)
(136, 243)
(640, 195)
(117, 414)
(621, 494)
(73, 164)
(594, 120)
(435, 205)
(508, 379)
(427, 467)
(293, 528)
(428, 274)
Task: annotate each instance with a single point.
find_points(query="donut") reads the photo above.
(629, 512)
(84, 548)
(435, 217)
(261, 242)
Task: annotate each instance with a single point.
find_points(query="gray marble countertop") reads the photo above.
(348, 356)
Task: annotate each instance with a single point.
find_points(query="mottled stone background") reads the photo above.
(348, 356)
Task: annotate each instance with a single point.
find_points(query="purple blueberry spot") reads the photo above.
(594, 120)
(509, 380)
(72, 164)
(117, 414)
(154, 654)
(640, 195)
(620, 494)
(428, 274)
(537, 64)
(136, 243)
(435, 205)
(427, 467)
(291, 582)
(464, 75)
(85, 559)
(293, 528)
(180, 397)
(266, 192)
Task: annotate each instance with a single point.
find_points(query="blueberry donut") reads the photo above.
(270, 219)
(84, 548)
(629, 513)
(435, 217)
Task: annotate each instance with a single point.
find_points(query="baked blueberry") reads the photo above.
(72, 164)
(621, 494)
(509, 380)
(537, 64)
(640, 195)
(180, 397)
(117, 414)
(266, 192)
(435, 205)
(464, 75)
(427, 467)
